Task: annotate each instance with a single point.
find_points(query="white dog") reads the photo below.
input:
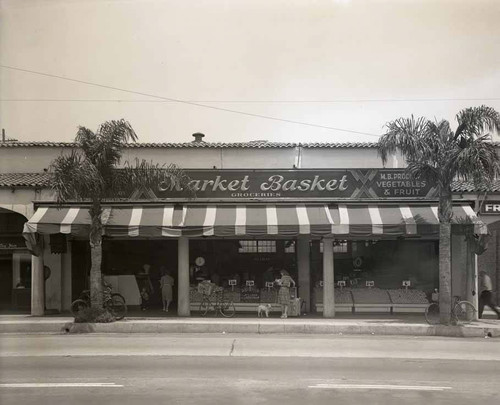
(263, 308)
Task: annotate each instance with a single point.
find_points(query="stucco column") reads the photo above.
(66, 279)
(475, 281)
(328, 279)
(304, 272)
(37, 286)
(183, 278)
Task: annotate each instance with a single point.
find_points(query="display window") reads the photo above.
(383, 275)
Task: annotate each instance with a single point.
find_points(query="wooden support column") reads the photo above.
(183, 277)
(328, 279)
(304, 272)
(37, 286)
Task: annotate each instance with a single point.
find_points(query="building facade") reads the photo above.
(355, 236)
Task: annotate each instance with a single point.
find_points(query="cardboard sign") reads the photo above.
(232, 282)
(370, 284)
(250, 283)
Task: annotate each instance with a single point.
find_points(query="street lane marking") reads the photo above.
(379, 387)
(59, 385)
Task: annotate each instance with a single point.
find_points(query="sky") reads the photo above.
(243, 70)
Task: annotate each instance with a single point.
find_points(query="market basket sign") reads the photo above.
(304, 183)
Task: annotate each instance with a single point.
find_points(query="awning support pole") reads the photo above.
(183, 277)
(304, 272)
(37, 286)
(328, 279)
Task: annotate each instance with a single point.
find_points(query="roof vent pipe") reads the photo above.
(198, 137)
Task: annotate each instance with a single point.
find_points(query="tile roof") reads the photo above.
(24, 179)
(202, 144)
(195, 145)
(462, 186)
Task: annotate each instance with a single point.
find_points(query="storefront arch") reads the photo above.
(26, 210)
(15, 261)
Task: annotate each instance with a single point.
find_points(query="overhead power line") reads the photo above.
(187, 102)
(339, 101)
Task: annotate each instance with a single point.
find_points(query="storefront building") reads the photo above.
(355, 236)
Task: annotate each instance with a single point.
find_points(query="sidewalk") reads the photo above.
(373, 324)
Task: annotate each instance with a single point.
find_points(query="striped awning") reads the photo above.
(265, 220)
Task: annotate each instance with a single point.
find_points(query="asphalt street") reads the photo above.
(77, 375)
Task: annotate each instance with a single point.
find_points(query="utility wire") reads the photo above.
(340, 101)
(186, 102)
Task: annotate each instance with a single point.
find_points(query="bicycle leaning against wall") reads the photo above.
(113, 302)
(462, 312)
(213, 298)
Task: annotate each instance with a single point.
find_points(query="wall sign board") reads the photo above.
(303, 183)
(490, 208)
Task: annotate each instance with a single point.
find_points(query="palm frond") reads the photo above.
(405, 135)
(143, 174)
(477, 162)
(75, 178)
(475, 121)
(109, 140)
(424, 171)
(86, 139)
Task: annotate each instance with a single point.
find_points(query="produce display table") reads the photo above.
(379, 300)
(248, 299)
(338, 308)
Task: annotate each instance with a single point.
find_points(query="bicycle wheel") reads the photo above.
(227, 308)
(432, 314)
(77, 306)
(118, 296)
(464, 312)
(117, 307)
(204, 306)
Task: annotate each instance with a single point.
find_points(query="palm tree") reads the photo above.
(89, 173)
(436, 153)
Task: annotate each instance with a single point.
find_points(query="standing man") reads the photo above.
(486, 295)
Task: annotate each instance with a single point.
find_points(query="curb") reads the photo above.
(280, 327)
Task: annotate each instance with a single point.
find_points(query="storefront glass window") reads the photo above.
(339, 246)
(254, 246)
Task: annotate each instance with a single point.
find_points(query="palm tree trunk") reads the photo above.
(445, 273)
(96, 300)
(445, 213)
(95, 274)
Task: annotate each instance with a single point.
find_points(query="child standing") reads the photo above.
(144, 299)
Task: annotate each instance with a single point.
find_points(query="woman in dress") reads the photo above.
(284, 293)
(166, 284)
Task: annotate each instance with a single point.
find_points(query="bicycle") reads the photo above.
(113, 302)
(213, 298)
(462, 312)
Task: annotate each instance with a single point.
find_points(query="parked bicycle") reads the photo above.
(213, 299)
(113, 302)
(462, 312)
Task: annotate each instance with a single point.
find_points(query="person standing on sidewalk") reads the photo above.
(285, 283)
(486, 295)
(166, 284)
